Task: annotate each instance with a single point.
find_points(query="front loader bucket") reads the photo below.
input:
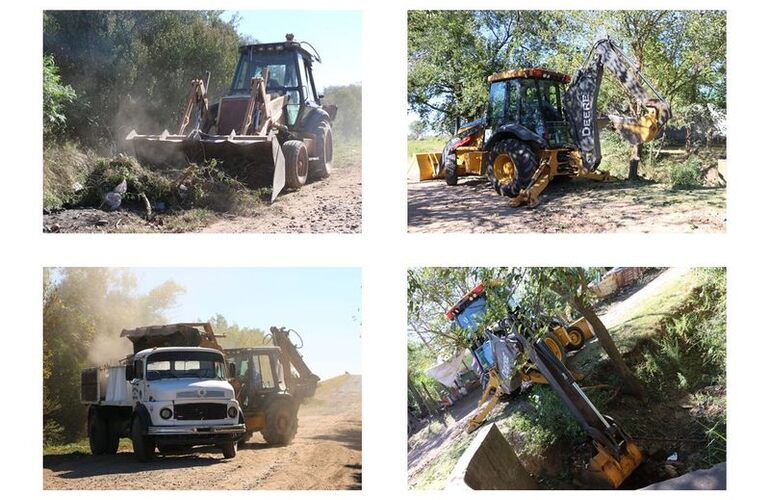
(430, 166)
(255, 159)
(613, 471)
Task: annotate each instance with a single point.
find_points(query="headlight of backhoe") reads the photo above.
(232, 412)
(166, 413)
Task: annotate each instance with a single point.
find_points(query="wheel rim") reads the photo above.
(504, 168)
(553, 346)
(574, 337)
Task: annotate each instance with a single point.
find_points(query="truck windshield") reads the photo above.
(185, 364)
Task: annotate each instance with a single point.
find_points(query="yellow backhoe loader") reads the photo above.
(541, 124)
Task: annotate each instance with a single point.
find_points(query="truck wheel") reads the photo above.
(510, 166)
(230, 449)
(113, 437)
(97, 433)
(280, 422)
(450, 170)
(144, 446)
(296, 156)
(322, 167)
(576, 339)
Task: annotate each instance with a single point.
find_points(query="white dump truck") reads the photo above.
(172, 398)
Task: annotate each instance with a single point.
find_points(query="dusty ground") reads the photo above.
(331, 205)
(572, 206)
(325, 455)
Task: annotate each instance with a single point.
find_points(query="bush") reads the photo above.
(56, 96)
(685, 175)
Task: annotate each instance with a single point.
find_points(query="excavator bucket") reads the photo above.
(429, 165)
(613, 471)
(256, 159)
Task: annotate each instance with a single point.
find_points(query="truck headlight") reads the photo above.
(232, 412)
(165, 413)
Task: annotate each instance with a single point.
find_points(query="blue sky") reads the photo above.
(336, 35)
(322, 304)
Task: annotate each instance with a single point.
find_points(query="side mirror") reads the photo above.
(129, 373)
(231, 368)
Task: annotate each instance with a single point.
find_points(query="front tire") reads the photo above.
(450, 170)
(144, 446)
(576, 339)
(295, 154)
(510, 166)
(280, 422)
(229, 450)
(322, 167)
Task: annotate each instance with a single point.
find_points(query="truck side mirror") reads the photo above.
(129, 373)
(231, 367)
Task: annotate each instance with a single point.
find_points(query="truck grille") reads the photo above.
(200, 411)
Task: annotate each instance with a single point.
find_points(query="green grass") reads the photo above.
(80, 447)
(428, 145)
(347, 153)
(435, 475)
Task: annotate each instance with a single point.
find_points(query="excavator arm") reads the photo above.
(303, 383)
(580, 101)
(617, 454)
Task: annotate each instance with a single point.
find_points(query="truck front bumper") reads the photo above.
(195, 430)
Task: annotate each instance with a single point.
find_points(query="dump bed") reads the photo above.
(105, 385)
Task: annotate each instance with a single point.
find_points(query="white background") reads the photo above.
(384, 250)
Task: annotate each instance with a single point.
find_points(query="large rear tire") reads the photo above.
(144, 446)
(322, 167)
(510, 166)
(450, 170)
(113, 437)
(97, 433)
(295, 154)
(556, 347)
(280, 422)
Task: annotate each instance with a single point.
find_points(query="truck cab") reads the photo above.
(169, 398)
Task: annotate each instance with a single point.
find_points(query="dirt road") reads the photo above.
(331, 205)
(569, 206)
(326, 454)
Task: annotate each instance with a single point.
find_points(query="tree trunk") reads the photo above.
(633, 165)
(424, 408)
(632, 383)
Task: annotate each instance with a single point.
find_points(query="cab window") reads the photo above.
(496, 104)
(263, 373)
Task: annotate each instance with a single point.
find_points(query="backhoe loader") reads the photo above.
(270, 127)
(541, 124)
(506, 379)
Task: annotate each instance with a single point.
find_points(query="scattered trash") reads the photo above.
(77, 187)
(674, 457)
(102, 222)
(112, 200)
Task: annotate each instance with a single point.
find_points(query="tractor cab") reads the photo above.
(258, 373)
(532, 98)
(289, 73)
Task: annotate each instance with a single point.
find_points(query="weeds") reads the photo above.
(685, 175)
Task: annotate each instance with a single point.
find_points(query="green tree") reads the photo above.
(132, 69)
(84, 311)
(347, 98)
(56, 96)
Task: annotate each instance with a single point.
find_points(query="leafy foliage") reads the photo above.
(131, 69)
(56, 96)
(685, 175)
(347, 98)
